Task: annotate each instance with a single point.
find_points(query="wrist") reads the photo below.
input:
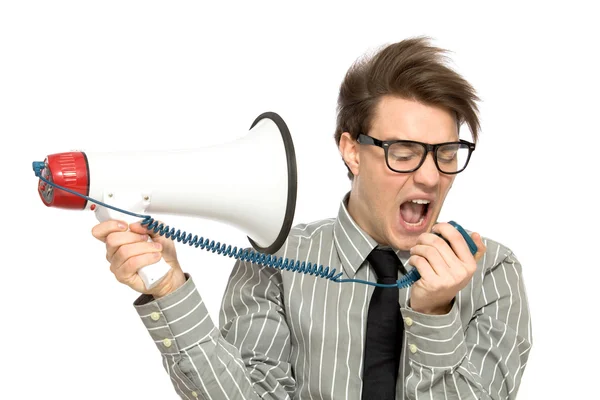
(431, 309)
(435, 341)
(172, 281)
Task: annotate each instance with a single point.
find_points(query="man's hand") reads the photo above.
(128, 251)
(444, 270)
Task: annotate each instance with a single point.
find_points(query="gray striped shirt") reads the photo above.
(287, 335)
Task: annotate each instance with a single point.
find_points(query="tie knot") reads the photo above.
(385, 263)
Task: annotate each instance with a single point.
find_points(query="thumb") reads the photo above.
(481, 249)
(138, 228)
(156, 236)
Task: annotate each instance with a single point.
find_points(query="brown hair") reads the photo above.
(412, 69)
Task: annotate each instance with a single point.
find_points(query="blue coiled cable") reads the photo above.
(238, 253)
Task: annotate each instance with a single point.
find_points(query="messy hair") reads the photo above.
(412, 69)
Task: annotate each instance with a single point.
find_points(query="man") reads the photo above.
(461, 331)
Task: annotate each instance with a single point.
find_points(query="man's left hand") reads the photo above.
(444, 269)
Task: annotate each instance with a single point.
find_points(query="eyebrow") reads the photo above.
(395, 137)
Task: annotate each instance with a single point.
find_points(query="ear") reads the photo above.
(349, 150)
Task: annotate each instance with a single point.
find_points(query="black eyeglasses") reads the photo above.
(408, 156)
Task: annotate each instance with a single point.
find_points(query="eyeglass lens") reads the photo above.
(407, 156)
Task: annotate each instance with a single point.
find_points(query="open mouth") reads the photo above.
(414, 213)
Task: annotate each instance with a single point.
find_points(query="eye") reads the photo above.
(447, 156)
(405, 152)
(448, 153)
(402, 157)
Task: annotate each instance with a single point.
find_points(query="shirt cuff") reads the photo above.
(434, 340)
(176, 321)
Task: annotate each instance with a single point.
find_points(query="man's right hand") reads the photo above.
(129, 250)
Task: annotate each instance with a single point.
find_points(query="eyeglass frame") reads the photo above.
(363, 138)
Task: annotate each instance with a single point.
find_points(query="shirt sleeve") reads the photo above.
(484, 361)
(245, 360)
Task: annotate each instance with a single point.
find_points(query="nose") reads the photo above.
(427, 174)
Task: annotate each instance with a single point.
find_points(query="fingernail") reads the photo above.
(157, 245)
(121, 225)
(144, 237)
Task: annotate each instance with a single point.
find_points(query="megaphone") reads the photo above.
(249, 183)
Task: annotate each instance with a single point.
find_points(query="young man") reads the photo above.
(461, 331)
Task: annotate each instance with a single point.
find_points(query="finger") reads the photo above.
(115, 240)
(481, 247)
(133, 264)
(125, 252)
(103, 229)
(443, 248)
(433, 257)
(154, 232)
(155, 236)
(138, 227)
(457, 242)
(451, 267)
(425, 270)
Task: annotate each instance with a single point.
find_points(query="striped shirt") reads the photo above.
(288, 335)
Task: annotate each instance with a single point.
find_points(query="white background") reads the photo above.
(137, 75)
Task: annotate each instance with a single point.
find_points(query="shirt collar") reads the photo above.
(354, 244)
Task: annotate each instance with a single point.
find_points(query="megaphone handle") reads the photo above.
(153, 273)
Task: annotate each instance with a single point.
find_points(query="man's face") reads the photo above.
(383, 201)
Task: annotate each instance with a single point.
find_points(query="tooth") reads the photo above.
(419, 201)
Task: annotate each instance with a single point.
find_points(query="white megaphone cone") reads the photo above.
(250, 183)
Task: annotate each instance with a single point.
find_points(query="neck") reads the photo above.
(359, 214)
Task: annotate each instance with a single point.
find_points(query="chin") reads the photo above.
(403, 243)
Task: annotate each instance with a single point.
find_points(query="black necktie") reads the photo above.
(385, 331)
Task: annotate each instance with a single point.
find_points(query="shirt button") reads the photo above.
(167, 342)
(194, 394)
(155, 316)
(413, 348)
(408, 321)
